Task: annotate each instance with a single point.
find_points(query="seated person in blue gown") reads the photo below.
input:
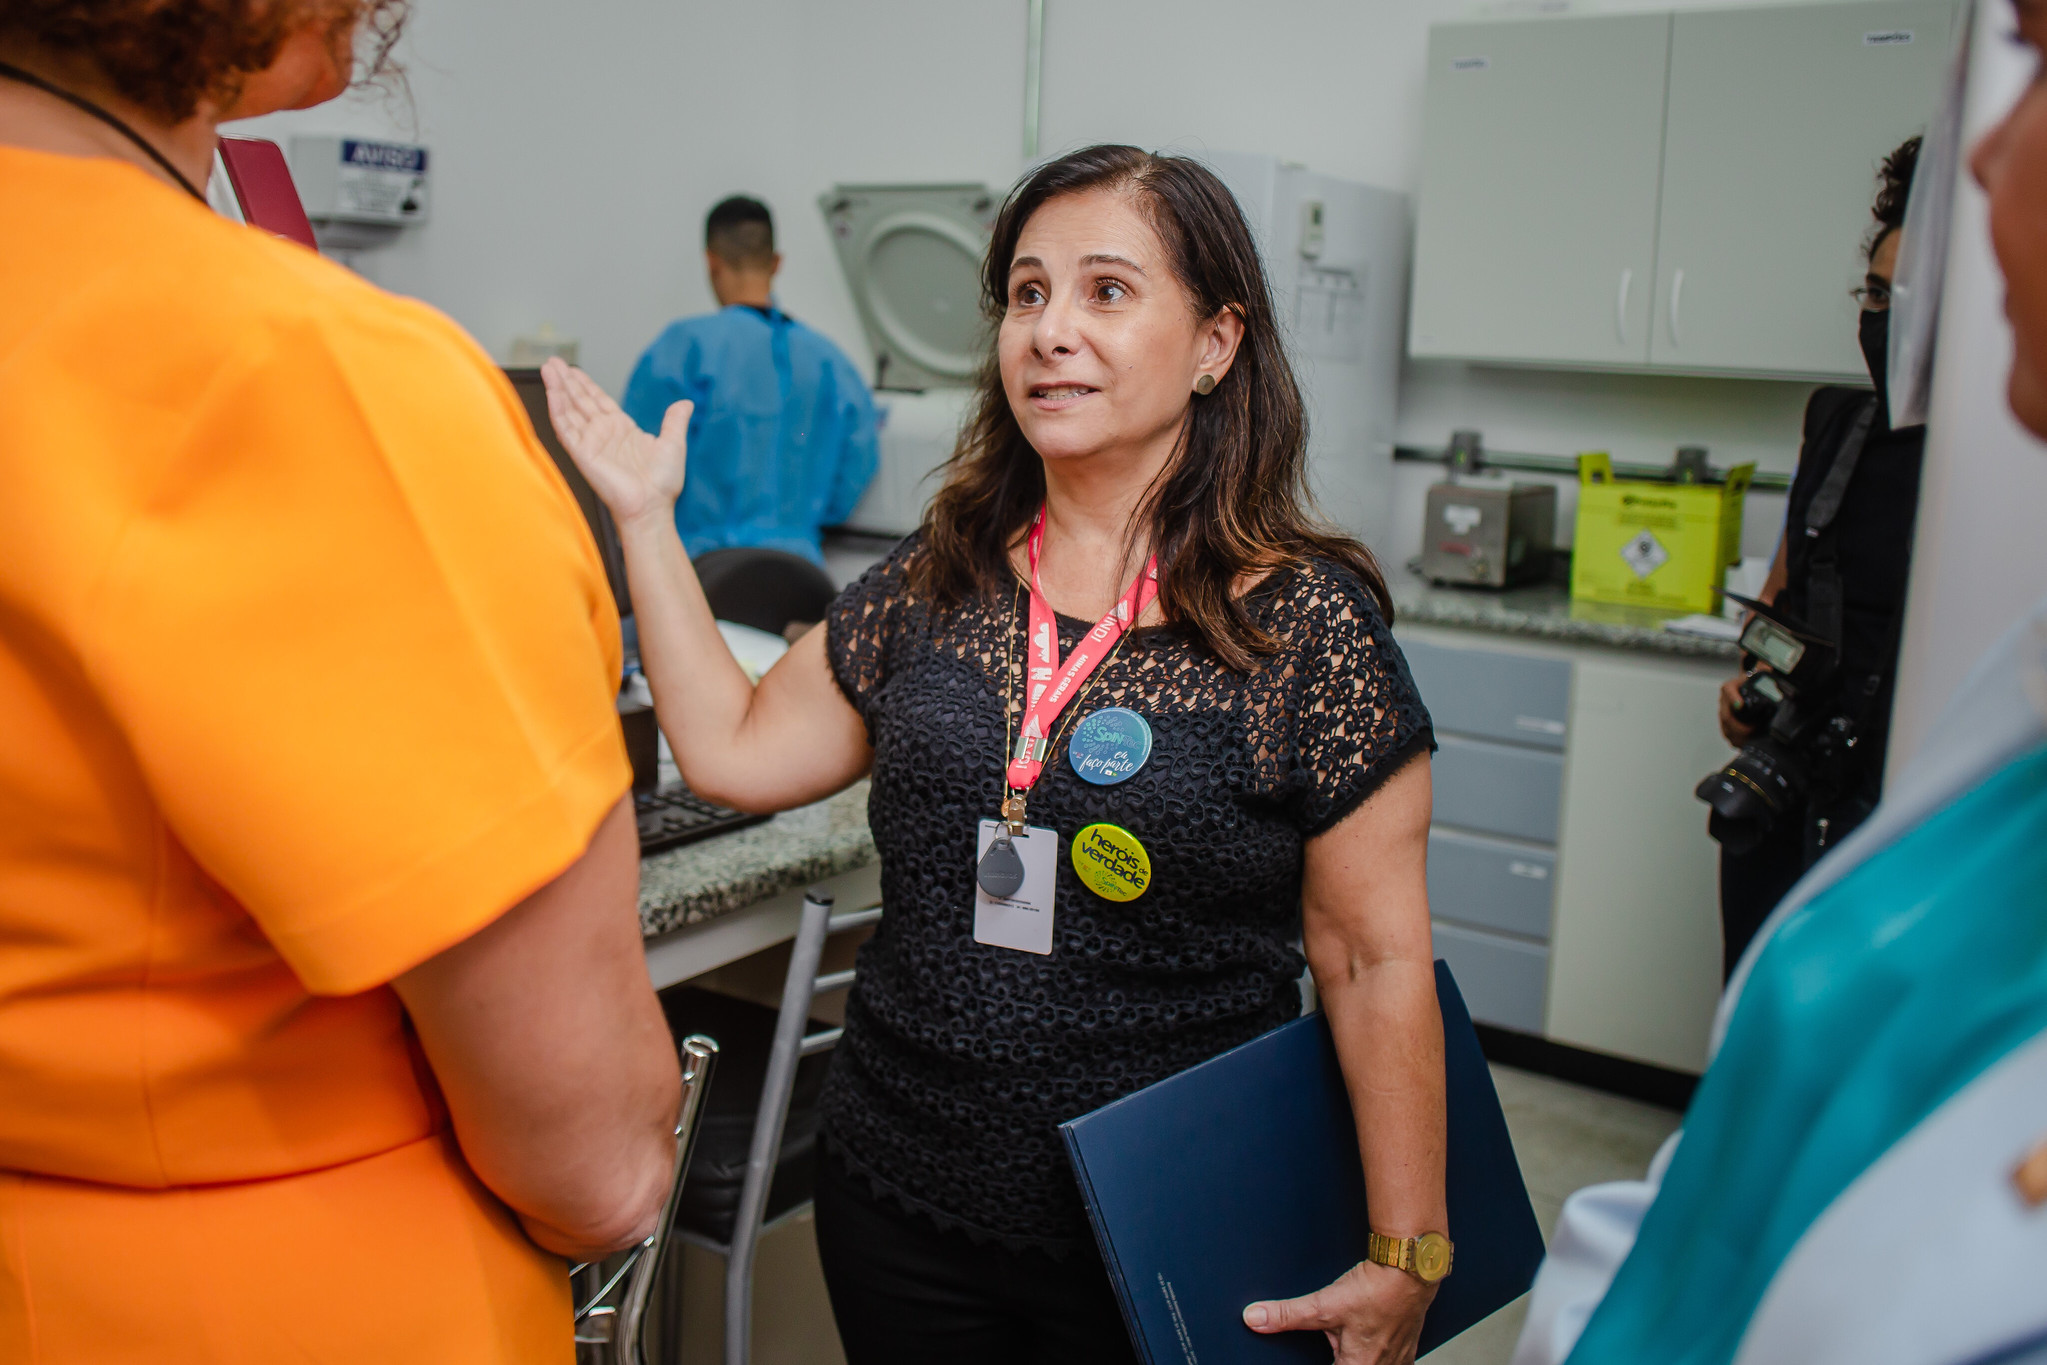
(782, 438)
(1862, 1175)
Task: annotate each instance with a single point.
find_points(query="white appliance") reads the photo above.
(359, 192)
(1336, 255)
(912, 260)
(918, 432)
(912, 257)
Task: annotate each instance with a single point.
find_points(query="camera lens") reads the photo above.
(1759, 784)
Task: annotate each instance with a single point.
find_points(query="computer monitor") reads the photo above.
(533, 393)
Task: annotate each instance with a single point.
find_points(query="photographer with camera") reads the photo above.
(1810, 715)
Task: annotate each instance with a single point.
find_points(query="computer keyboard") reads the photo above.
(675, 815)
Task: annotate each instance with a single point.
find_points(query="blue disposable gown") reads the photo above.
(782, 441)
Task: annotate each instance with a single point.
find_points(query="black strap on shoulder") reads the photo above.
(1824, 598)
(15, 73)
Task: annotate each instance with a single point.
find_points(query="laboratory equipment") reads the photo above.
(1336, 256)
(359, 192)
(1489, 535)
(912, 257)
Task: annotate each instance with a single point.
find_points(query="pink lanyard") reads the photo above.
(1048, 695)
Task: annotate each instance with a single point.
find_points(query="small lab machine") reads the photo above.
(1491, 536)
(1485, 534)
(359, 192)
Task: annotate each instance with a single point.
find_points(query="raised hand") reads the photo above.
(638, 476)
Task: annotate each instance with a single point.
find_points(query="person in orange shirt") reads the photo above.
(325, 1029)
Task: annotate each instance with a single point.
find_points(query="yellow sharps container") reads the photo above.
(1646, 543)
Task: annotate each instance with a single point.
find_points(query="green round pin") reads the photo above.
(1111, 862)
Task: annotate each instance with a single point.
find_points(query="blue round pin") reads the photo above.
(1109, 746)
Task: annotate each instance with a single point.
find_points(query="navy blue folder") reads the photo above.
(1239, 1180)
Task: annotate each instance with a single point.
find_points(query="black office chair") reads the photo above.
(765, 589)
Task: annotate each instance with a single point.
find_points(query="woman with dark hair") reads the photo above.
(318, 935)
(1135, 725)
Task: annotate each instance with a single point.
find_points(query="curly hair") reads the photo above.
(169, 56)
(1893, 192)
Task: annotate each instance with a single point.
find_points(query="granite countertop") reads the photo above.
(717, 876)
(1545, 611)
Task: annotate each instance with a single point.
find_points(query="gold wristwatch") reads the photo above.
(1426, 1257)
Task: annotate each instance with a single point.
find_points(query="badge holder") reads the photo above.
(1016, 864)
(1026, 863)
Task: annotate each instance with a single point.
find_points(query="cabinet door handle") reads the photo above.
(1620, 306)
(1677, 298)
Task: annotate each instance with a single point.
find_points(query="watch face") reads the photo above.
(1432, 1256)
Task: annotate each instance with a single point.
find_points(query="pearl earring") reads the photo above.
(1205, 384)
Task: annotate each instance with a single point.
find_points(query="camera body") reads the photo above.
(1805, 744)
(1760, 694)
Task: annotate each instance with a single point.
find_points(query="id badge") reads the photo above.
(1022, 921)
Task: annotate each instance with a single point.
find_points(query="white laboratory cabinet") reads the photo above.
(1572, 885)
(1336, 258)
(1681, 193)
(1536, 231)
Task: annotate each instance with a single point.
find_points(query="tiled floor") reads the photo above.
(1565, 1136)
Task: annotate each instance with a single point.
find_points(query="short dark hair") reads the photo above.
(741, 231)
(170, 55)
(1893, 191)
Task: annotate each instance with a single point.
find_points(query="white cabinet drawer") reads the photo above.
(1504, 980)
(1497, 788)
(1519, 698)
(1490, 884)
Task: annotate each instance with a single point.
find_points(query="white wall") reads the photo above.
(576, 149)
(1980, 558)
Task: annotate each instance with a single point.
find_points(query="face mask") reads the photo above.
(1874, 331)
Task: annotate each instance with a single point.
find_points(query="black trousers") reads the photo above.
(1751, 884)
(1753, 881)
(905, 1293)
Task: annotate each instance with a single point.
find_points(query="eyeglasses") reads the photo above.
(1872, 298)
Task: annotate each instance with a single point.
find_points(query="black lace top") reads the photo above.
(959, 1059)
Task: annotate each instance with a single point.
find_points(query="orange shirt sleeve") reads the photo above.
(360, 642)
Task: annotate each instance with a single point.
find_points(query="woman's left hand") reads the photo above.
(1372, 1315)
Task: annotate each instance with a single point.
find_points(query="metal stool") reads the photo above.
(791, 1045)
(609, 1321)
